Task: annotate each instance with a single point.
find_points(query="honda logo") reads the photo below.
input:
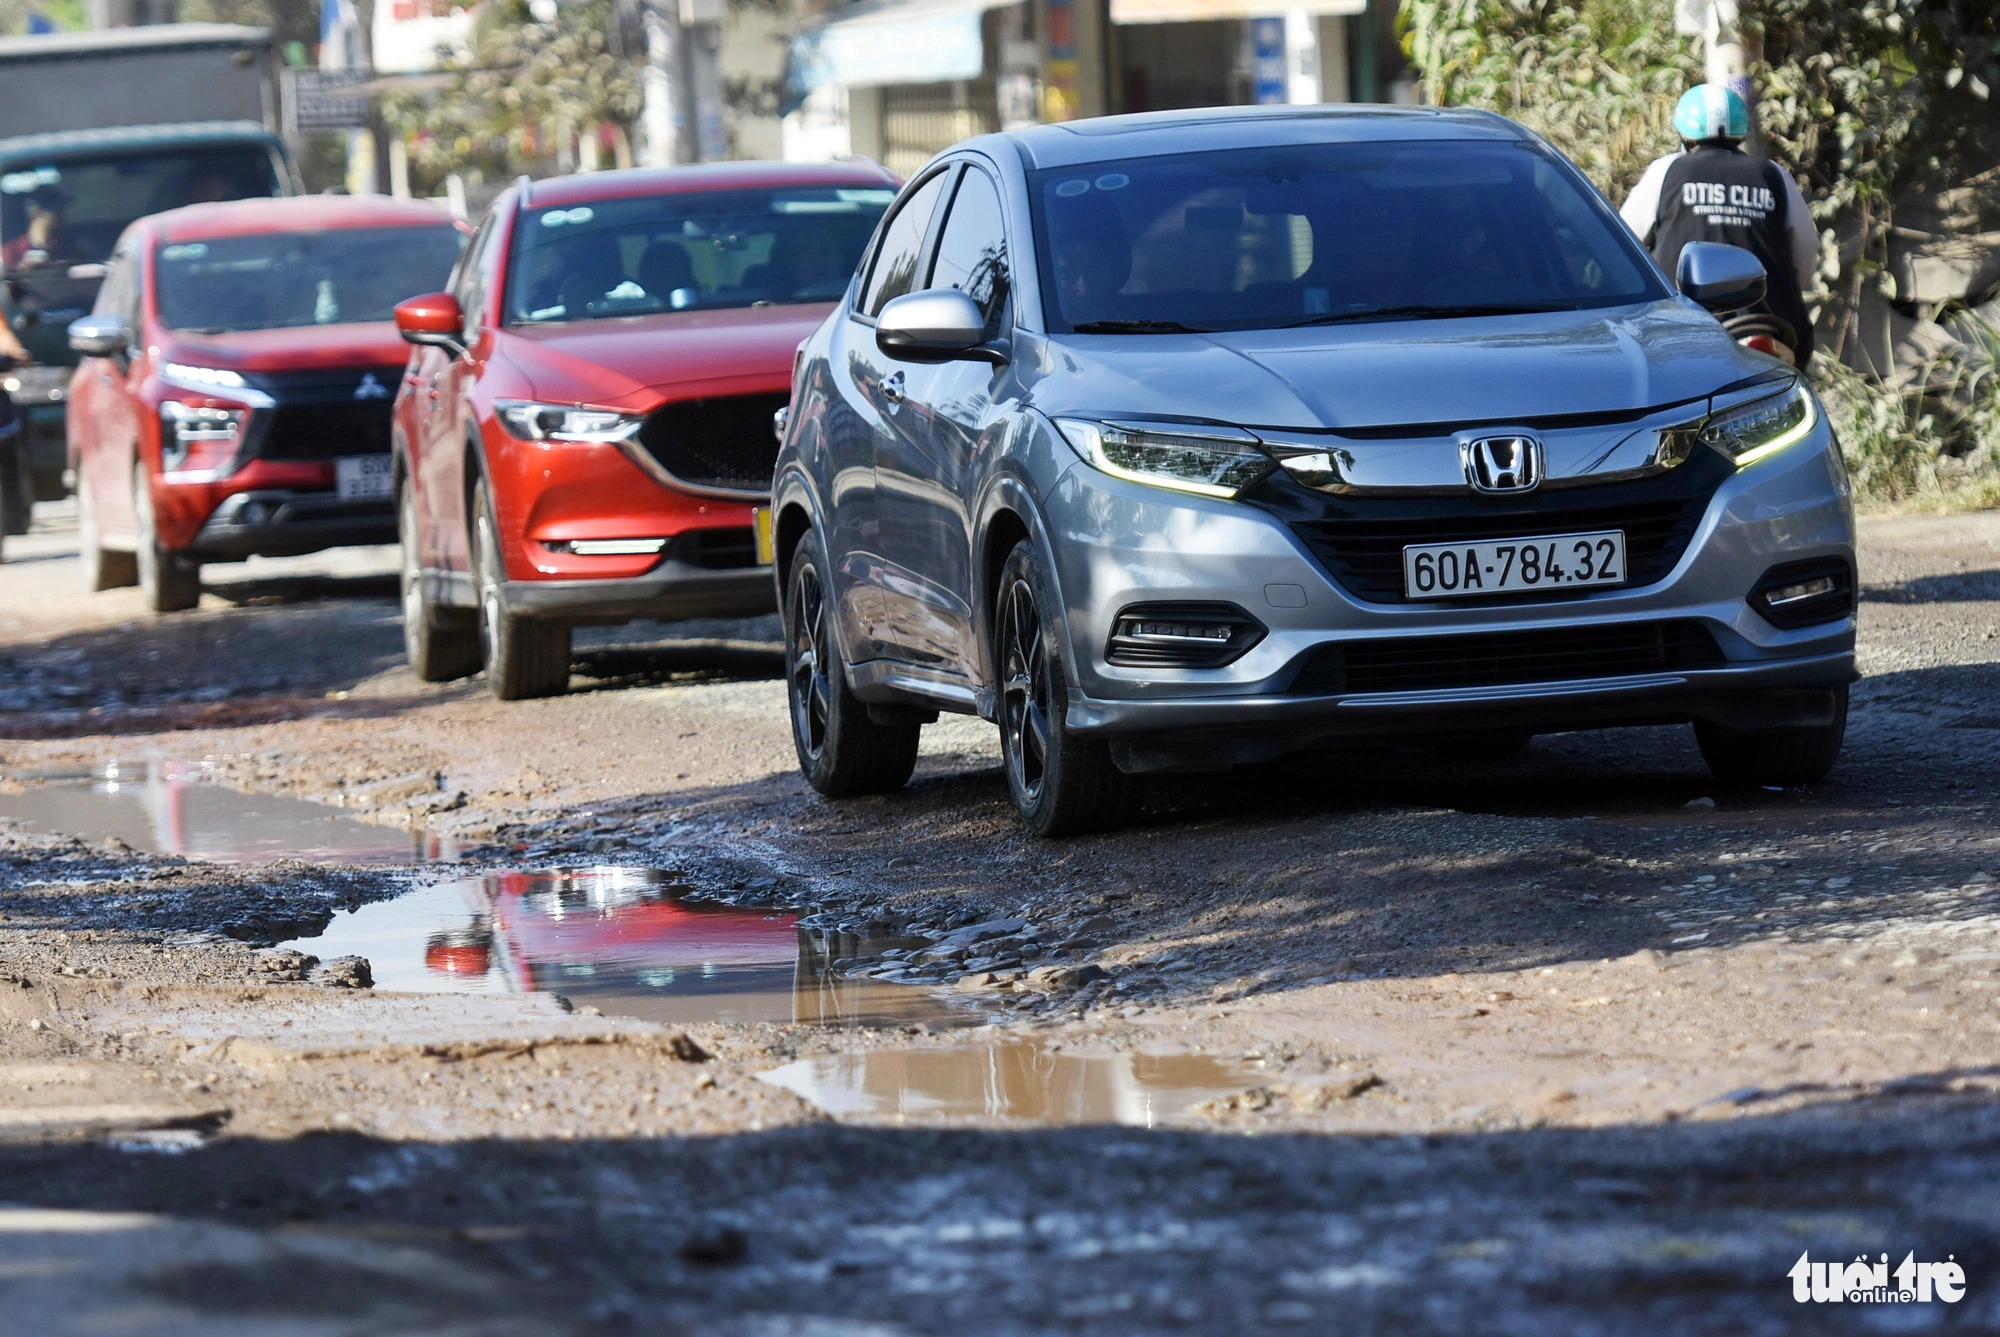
(1504, 464)
(370, 388)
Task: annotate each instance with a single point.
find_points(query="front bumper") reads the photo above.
(284, 523)
(669, 592)
(1148, 546)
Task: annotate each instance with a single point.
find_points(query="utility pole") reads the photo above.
(661, 114)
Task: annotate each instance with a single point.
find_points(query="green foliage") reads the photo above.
(1598, 78)
(1933, 439)
(524, 83)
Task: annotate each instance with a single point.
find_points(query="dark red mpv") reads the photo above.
(585, 430)
(235, 391)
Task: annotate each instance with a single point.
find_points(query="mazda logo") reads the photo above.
(1504, 464)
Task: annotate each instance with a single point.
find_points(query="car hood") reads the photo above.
(1400, 374)
(304, 348)
(623, 362)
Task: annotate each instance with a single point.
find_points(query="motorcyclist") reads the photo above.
(1713, 191)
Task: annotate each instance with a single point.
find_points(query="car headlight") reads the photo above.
(1212, 461)
(565, 422)
(198, 441)
(1749, 432)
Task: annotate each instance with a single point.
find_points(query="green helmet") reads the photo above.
(1711, 111)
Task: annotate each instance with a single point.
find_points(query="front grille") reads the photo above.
(718, 443)
(1505, 658)
(325, 413)
(324, 431)
(717, 549)
(1360, 540)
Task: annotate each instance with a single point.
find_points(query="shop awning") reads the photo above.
(1190, 11)
(878, 42)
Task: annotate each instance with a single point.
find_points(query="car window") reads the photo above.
(690, 250)
(1266, 237)
(972, 249)
(114, 298)
(895, 271)
(71, 210)
(475, 268)
(285, 280)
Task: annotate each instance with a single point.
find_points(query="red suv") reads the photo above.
(234, 395)
(586, 426)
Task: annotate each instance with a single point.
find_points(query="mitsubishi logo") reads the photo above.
(1504, 464)
(370, 388)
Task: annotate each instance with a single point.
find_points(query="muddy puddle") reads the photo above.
(628, 942)
(168, 808)
(1028, 1080)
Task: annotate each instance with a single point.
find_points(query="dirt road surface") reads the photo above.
(659, 1041)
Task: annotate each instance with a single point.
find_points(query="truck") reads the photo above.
(101, 128)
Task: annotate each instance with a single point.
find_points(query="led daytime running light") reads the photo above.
(1208, 466)
(1738, 427)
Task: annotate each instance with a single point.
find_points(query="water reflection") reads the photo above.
(630, 942)
(1012, 1079)
(169, 808)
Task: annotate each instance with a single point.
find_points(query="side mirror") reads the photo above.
(98, 336)
(435, 319)
(1721, 278)
(937, 325)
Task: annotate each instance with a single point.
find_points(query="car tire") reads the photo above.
(1787, 757)
(168, 581)
(524, 657)
(442, 644)
(1062, 783)
(842, 752)
(17, 498)
(103, 569)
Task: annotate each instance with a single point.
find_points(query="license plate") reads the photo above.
(760, 527)
(364, 477)
(1510, 566)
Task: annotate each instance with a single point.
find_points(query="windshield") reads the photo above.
(1269, 237)
(73, 211)
(724, 248)
(280, 280)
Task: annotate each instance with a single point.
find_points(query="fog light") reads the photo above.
(1803, 594)
(1181, 635)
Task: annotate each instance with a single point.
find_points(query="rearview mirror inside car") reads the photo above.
(97, 336)
(938, 325)
(435, 319)
(1722, 278)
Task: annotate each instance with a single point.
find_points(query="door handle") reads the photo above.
(892, 388)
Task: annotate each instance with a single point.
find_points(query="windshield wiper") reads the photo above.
(1427, 313)
(1136, 327)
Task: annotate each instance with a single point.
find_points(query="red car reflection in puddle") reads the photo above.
(628, 941)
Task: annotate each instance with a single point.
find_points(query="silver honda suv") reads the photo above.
(1186, 440)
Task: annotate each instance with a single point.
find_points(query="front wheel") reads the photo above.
(441, 643)
(168, 581)
(524, 657)
(1800, 755)
(842, 752)
(1062, 783)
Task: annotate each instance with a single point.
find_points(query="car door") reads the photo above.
(112, 415)
(925, 469)
(444, 382)
(869, 388)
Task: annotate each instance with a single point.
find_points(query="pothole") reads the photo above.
(625, 941)
(161, 808)
(1027, 1080)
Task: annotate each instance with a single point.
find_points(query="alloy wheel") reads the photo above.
(1024, 682)
(812, 652)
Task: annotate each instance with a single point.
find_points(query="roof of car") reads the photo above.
(60, 143)
(584, 188)
(1158, 132)
(300, 213)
